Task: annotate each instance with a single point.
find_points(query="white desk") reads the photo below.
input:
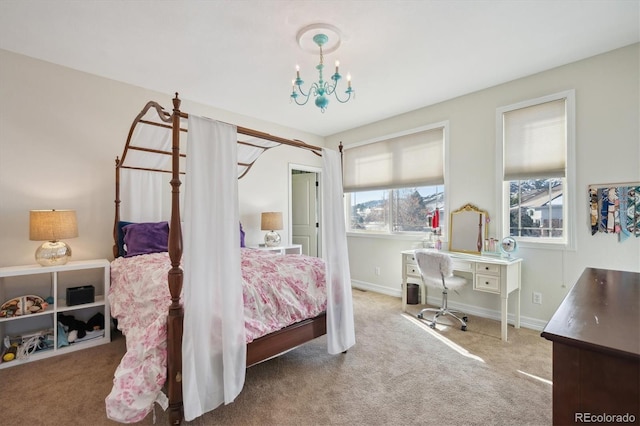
(284, 249)
(489, 274)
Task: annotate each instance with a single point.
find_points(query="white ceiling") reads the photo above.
(240, 56)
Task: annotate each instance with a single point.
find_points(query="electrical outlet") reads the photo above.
(537, 298)
(377, 270)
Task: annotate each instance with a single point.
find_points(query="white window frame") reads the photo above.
(568, 242)
(406, 235)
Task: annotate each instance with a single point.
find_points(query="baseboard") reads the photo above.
(526, 322)
(362, 285)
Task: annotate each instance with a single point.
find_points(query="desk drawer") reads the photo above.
(462, 265)
(410, 259)
(487, 268)
(412, 270)
(487, 283)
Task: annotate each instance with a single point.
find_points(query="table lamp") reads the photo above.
(51, 226)
(271, 221)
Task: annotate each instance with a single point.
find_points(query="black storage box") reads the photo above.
(80, 295)
(413, 294)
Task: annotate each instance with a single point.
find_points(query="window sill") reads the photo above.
(546, 245)
(405, 237)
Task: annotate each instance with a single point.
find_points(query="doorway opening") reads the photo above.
(305, 208)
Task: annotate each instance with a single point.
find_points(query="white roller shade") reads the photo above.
(535, 141)
(415, 159)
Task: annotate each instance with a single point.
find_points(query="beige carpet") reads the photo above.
(400, 372)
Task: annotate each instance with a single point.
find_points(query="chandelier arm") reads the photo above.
(306, 99)
(330, 88)
(313, 91)
(348, 92)
(299, 87)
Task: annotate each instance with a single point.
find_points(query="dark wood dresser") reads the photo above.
(596, 350)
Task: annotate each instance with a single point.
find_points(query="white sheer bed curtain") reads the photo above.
(340, 325)
(142, 196)
(214, 342)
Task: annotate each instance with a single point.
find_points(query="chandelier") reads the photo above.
(321, 89)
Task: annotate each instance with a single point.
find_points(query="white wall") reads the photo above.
(607, 151)
(60, 132)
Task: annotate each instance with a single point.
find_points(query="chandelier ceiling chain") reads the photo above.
(321, 89)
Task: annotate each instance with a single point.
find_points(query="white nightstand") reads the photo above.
(284, 249)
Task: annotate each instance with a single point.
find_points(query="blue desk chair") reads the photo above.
(436, 270)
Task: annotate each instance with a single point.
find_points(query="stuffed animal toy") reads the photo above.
(96, 322)
(76, 329)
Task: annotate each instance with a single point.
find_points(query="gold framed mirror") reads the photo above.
(468, 229)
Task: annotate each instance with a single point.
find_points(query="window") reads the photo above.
(395, 184)
(535, 149)
(536, 208)
(397, 210)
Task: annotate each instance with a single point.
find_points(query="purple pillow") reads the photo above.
(241, 236)
(145, 238)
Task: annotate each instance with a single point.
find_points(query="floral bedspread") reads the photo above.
(278, 291)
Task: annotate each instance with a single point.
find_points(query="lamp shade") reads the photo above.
(52, 225)
(271, 221)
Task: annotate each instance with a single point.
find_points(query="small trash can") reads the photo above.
(413, 294)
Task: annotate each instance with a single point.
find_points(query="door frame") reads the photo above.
(318, 171)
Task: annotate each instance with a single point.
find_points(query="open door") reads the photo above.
(305, 209)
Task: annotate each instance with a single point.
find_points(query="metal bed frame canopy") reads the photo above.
(156, 143)
(149, 143)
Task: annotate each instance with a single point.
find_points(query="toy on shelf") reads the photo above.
(10, 353)
(22, 305)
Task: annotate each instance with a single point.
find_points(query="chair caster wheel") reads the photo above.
(420, 316)
(432, 325)
(465, 319)
(463, 328)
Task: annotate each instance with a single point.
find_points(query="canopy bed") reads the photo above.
(210, 339)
